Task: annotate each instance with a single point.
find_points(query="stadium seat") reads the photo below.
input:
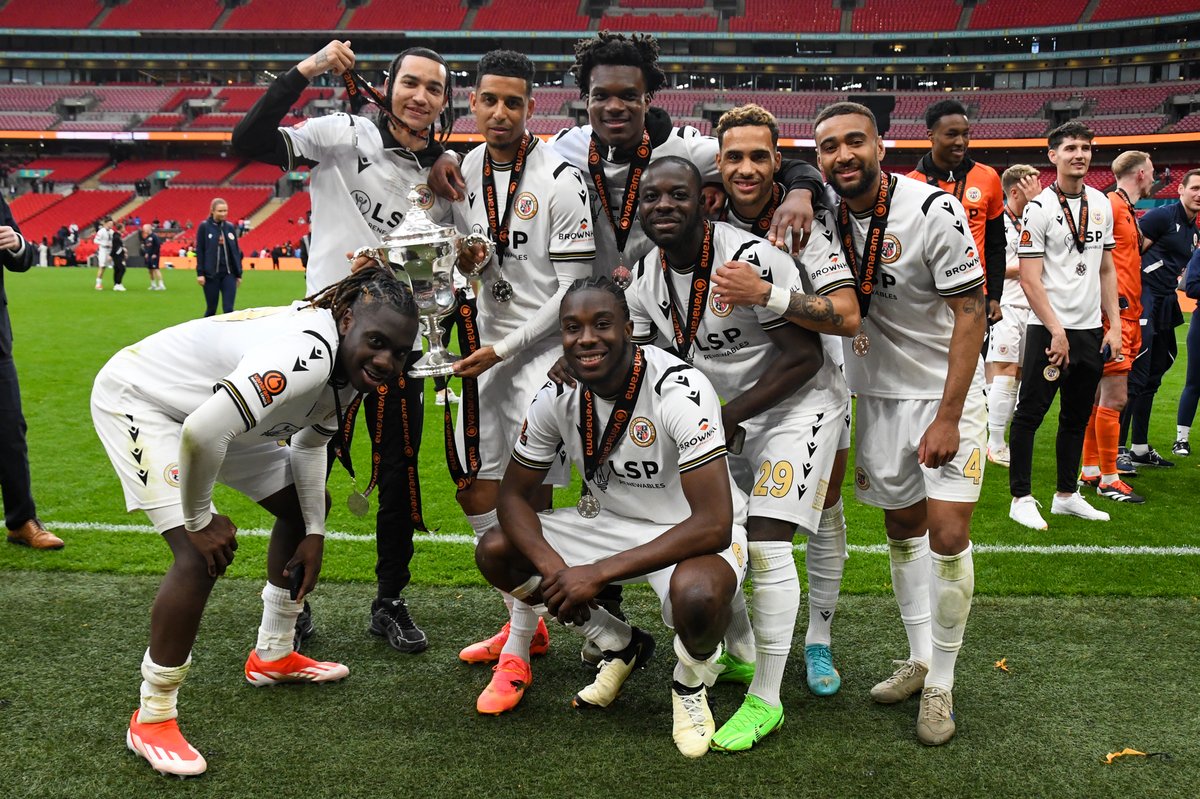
(69, 169)
(795, 16)
(82, 208)
(537, 15)
(31, 204)
(33, 14)
(286, 15)
(287, 224)
(136, 15)
(429, 15)
(878, 16)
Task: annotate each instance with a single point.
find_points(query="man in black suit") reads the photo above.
(20, 513)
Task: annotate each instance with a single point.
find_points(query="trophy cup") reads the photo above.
(424, 254)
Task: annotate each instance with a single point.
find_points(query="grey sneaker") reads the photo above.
(906, 680)
(935, 719)
(390, 618)
(1125, 466)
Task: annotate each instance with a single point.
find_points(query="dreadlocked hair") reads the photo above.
(616, 49)
(599, 283)
(372, 283)
(445, 118)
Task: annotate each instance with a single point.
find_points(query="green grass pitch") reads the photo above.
(1097, 623)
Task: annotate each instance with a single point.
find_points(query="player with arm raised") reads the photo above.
(362, 173)
(645, 430)
(533, 206)
(174, 427)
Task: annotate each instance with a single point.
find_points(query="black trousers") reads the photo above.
(118, 270)
(14, 454)
(1157, 355)
(399, 489)
(223, 286)
(1077, 384)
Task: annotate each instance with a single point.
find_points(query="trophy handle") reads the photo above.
(377, 256)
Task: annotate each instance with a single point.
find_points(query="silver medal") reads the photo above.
(861, 344)
(358, 503)
(502, 290)
(622, 276)
(1081, 269)
(588, 506)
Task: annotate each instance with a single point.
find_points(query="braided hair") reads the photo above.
(372, 283)
(617, 49)
(599, 283)
(446, 115)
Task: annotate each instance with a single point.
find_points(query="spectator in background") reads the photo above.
(151, 248)
(104, 242)
(276, 253)
(218, 258)
(20, 513)
(120, 256)
(43, 253)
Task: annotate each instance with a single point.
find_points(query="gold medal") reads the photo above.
(1051, 373)
(861, 344)
(358, 504)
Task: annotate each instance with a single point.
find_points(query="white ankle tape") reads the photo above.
(527, 589)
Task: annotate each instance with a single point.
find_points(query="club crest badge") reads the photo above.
(526, 206)
(641, 431)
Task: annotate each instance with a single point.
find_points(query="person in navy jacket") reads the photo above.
(218, 258)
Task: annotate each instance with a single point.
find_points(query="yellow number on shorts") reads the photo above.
(972, 469)
(781, 475)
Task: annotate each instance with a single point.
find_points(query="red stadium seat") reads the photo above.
(30, 205)
(287, 15)
(428, 15)
(142, 15)
(69, 169)
(82, 208)
(537, 15)
(885, 16)
(795, 16)
(33, 14)
(993, 14)
(1109, 10)
(190, 205)
(287, 224)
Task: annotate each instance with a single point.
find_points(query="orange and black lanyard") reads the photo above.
(595, 456)
(684, 338)
(356, 84)
(1133, 217)
(637, 165)
(497, 226)
(468, 342)
(864, 268)
(763, 223)
(1078, 232)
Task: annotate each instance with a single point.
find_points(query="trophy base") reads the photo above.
(430, 366)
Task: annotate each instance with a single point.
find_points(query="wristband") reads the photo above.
(779, 300)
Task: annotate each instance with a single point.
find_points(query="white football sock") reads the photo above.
(278, 628)
(691, 671)
(776, 601)
(1140, 449)
(1001, 401)
(480, 524)
(1182, 431)
(521, 627)
(951, 590)
(910, 583)
(739, 636)
(1090, 471)
(605, 630)
(825, 559)
(160, 687)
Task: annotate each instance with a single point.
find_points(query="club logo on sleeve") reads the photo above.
(641, 430)
(424, 196)
(1097, 217)
(524, 437)
(171, 475)
(974, 194)
(1026, 239)
(526, 205)
(889, 253)
(268, 385)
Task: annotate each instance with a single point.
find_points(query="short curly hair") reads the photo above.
(616, 49)
(749, 115)
(506, 64)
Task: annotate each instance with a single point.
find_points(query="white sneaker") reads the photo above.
(99, 287)
(999, 455)
(446, 395)
(692, 723)
(1076, 505)
(1024, 510)
(118, 287)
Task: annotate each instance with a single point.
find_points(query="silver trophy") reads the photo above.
(424, 255)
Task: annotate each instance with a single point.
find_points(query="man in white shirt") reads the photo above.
(104, 244)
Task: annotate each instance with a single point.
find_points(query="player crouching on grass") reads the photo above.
(213, 400)
(644, 429)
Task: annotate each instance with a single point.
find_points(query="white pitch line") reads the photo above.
(870, 549)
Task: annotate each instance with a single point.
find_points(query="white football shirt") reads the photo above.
(1071, 278)
(359, 190)
(732, 347)
(928, 253)
(686, 142)
(551, 238)
(675, 427)
(1013, 295)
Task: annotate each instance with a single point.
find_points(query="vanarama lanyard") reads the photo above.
(462, 473)
(598, 447)
(1133, 216)
(960, 185)
(356, 84)
(763, 223)
(1016, 220)
(701, 275)
(497, 226)
(637, 165)
(864, 268)
(1078, 232)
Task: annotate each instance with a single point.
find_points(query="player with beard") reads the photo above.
(1134, 172)
(1068, 275)
(645, 430)
(975, 185)
(748, 159)
(778, 390)
(533, 205)
(362, 173)
(915, 367)
(174, 427)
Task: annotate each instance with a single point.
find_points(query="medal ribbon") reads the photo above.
(1078, 233)
(699, 297)
(468, 342)
(641, 158)
(864, 268)
(960, 186)
(593, 458)
(356, 84)
(763, 223)
(497, 227)
(1133, 215)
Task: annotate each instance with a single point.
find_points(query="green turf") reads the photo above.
(1100, 646)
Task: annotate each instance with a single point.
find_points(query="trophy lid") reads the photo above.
(417, 227)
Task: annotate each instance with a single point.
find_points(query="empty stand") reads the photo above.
(289, 15)
(694, 23)
(69, 169)
(989, 14)
(287, 224)
(36, 98)
(193, 172)
(94, 125)
(1125, 126)
(1009, 130)
(27, 121)
(1109, 10)
(256, 174)
(30, 205)
(794, 16)
(142, 15)
(126, 99)
(82, 208)
(527, 15)
(886, 16)
(190, 205)
(161, 122)
(428, 15)
(34, 13)
(184, 94)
